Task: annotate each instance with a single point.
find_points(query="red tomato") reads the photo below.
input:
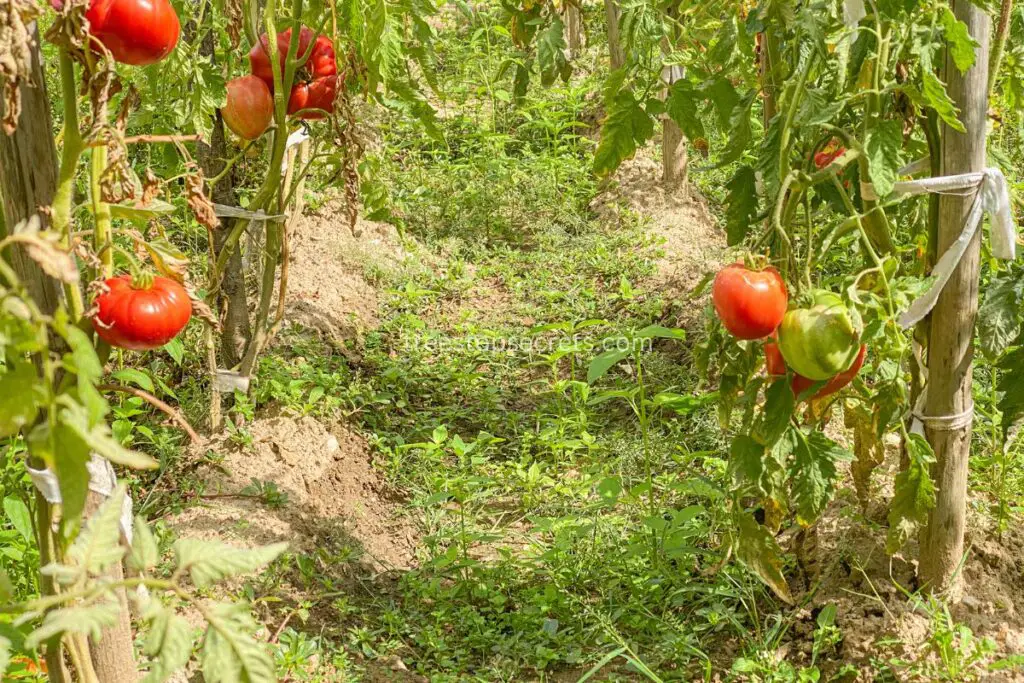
(315, 83)
(774, 364)
(750, 303)
(250, 107)
(318, 95)
(801, 384)
(141, 319)
(829, 153)
(137, 32)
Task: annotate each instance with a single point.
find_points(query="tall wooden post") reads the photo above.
(616, 53)
(951, 341)
(573, 29)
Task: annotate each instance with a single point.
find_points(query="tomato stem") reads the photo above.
(101, 236)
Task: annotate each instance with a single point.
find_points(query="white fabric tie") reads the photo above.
(102, 480)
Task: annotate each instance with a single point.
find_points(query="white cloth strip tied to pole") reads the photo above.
(102, 480)
(225, 211)
(940, 423)
(992, 196)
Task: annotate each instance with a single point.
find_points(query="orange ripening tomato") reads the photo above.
(774, 364)
(750, 303)
(139, 317)
(249, 108)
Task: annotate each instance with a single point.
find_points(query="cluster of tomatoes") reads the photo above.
(250, 99)
(819, 341)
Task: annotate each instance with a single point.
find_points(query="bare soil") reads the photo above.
(333, 494)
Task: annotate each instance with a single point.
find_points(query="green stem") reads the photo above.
(70, 155)
(101, 236)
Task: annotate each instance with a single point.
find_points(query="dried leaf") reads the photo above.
(150, 187)
(199, 202)
(202, 311)
(55, 261)
(868, 449)
(15, 56)
(168, 259)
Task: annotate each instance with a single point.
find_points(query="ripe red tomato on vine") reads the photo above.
(316, 81)
(137, 32)
(140, 315)
(829, 153)
(750, 303)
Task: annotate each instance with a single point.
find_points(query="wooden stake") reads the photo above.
(616, 53)
(951, 342)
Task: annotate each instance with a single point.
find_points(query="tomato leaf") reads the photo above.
(758, 551)
(958, 38)
(779, 403)
(741, 204)
(627, 126)
(20, 517)
(934, 92)
(683, 105)
(20, 397)
(1011, 384)
(551, 53)
(999, 316)
(914, 494)
(142, 214)
(884, 157)
(813, 474)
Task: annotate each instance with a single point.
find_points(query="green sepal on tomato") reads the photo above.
(136, 32)
(820, 340)
(141, 314)
(750, 303)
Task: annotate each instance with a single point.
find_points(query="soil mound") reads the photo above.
(333, 496)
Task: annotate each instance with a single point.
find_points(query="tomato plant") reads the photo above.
(750, 303)
(141, 313)
(137, 32)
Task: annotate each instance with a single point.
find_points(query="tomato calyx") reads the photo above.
(141, 280)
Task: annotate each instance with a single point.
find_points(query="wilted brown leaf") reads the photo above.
(51, 256)
(202, 311)
(150, 187)
(198, 201)
(867, 447)
(15, 56)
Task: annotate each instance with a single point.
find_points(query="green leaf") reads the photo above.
(141, 215)
(661, 332)
(683, 105)
(169, 642)
(747, 462)
(88, 620)
(914, 495)
(551, 53)
(626, 126)
(813, 474)
(1011, 385)
(603, 363)
(20, 517)
(210, 561)
(723, 95)
(167, 258)
(1000, 314)
(145, 552)
(64, 452)
(99, 439)
(757, 549)
(133, 376)
(21, 394)
(229, 653)
(779, 403)
(98, 545)
(741, 204)
(739, 130)
(958, 39)
(934, 92)
(883, 145)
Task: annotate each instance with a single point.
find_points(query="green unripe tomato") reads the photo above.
(820, 341)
